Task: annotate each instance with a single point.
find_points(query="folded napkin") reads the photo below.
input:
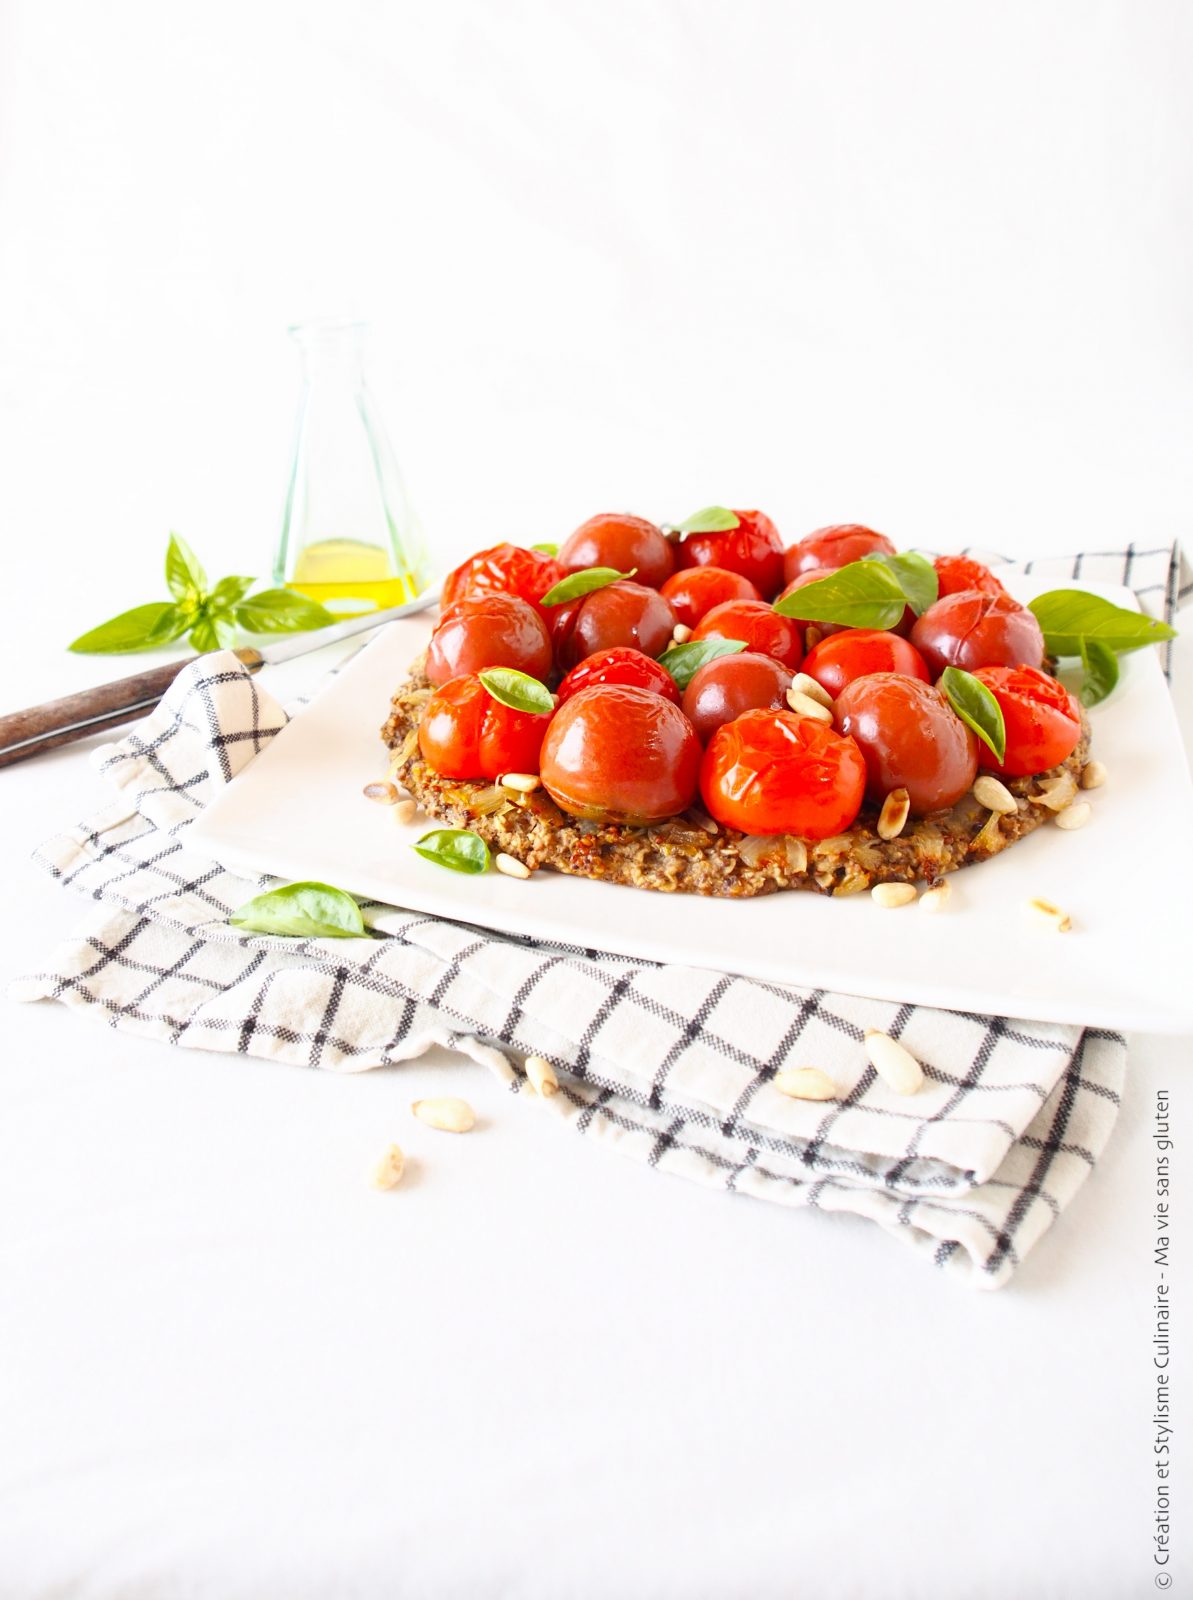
(671, 1065)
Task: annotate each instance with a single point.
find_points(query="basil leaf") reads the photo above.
(184, 570)
(210, 633)
(138, 629)
(518, 690)
(457, 848)
(918, 578)
(546, 549)
(586, 581)
(1100, 671)
(302, 911)
(865, 594)
(1068, 616)
(280, 611)
(227, 592)
(976, 706)
(713, 519)
(683, 661)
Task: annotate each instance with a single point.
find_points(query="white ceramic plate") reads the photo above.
(1125, 879)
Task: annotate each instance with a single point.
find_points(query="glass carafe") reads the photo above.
(349, 538)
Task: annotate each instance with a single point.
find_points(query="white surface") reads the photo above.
(298, 812)
(926, 265)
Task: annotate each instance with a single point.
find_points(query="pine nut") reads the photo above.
(1056, 793)
(385, 794)
(805, 683)
(936, 898)
(406, 811)
(682, 633)
(806, 1083)
(542, 1077)
(893, 1062)
(1046, 912)
(510, 865)
(812, 637)
(387, 1174)
(891, 895)
(1093, 775)
(448, 1114)
(520, 782)
(1075, 816)
(804, 706)
(995, 796)
(892, 819)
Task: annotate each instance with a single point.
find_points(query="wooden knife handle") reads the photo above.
(28, 733)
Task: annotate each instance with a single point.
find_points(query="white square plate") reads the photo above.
(297, 811)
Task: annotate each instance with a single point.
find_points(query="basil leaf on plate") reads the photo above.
(139, 629)
(1099, 671)
(280, 611)
(1067, 616)
(865, 594)
(587, 581)
(302, 911)
(184, 571)
(546, 549)
(917, 577)
(683, 661)
(976, 706)
(457, 848)
(518, 690)
(713, 519)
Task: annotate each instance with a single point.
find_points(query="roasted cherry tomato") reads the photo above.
(1042, 720)
(488, 630)
(695, 591)
(774, 772)
(465, 733)
(753, 548)
(615, 540)
(505, 569)
(858, 651)
(619, 666)
(758, 625)
(960, 572)
(911, 738)
(833, 547)
(615, 753)
(621, 615)
(724, 688)
(972, 630)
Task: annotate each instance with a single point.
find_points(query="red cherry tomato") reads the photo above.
(774, 772)
(504, 569)
(465, 733)
(753, 548)
(758, 625)
(833, 547)
(960, 572)
(724, 688)
(619, 666)
(616, 753)
(624, 614)
(911, 738)
(972, 630)
(695, 591)
(857, 652)
(615, 540)
(1042, 720)
(488, 630)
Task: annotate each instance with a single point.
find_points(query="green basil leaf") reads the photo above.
(713, 519)
(1068, 616)
(683, 661)
(457, 848)
(586, 581)
(976, 706)
(918, 578)
(280, 611)
(518, 690)
(210, 632)
(302, 911)
(184, 570)
(546, 549)
(228, 591)
(139, 629)
(865, 594)
(1100, 671)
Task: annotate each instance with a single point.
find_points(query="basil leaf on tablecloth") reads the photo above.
(976, 706)
(917, 577)
(139, 629)
(1099, 671)
(1067, 616)
(683, 661)
(185, 576)
(587, 581)
(457, 848)
(865, 594)
(713, 519)
(280, 611)
(518, 690)
(302, 911)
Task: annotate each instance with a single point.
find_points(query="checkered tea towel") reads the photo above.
(670, 1065)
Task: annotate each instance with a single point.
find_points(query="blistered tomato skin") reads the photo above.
(465, 733)
(970, 630)
(753, 548)
(695, 591)
(1042, 720)
(758, 625)
(488, 630)
(725, 688)
(775, 772)
(833, 547)
(503, 569)
(616, 753)
(911, 739)
(621, 616)
(614, 540)
(955, 573)
(619, 666)
(856, 652)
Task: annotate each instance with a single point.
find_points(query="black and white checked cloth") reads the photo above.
(671, 1065)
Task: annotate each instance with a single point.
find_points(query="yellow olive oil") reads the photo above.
(349, 577)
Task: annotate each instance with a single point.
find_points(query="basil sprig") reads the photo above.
(918, 578)
(302, 911)
(546, 549)
(683, 661)
(587, 581)
(518, 690)
(208, 616)
(457, 848)
(1076, 623)
(976, 706)
(713, 519)
(1099, 671)
(865, 594)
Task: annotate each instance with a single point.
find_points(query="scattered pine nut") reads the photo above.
(387, 1174)
(1055, 918)
(1074, 816)
(893, 1062)
(1093, 775)
(806, 1083)
(892, 819)
(448, 1114)
(804, 706)
(995, 796)
(519, 782)
(541, 1075)
(682, 633)
(890, 895)
(385, 794)
(406, 811)
(805, 683)
(936, 898)
(510, 865)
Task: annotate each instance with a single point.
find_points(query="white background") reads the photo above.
(925, 266)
